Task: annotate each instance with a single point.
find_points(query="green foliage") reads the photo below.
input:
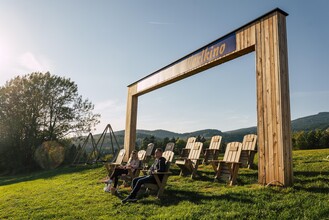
(35, 108)
(312, 122)
(74, 193)
(179, 145)
(315, 139)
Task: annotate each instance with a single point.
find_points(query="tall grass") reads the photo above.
(75, 193)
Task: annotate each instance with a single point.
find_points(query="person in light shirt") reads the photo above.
(159, 165)
(133, 164)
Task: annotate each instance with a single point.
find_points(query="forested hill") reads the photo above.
(312, 122)
(164, 133)
(318, 121)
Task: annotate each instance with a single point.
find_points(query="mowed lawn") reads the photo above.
(75, 193)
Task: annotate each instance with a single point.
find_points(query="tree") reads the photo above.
(179, 145)
(145, 142)
(300, 140)
(313, 138)
(324, 140)
(39, 107)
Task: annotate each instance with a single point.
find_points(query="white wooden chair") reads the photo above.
(189, 144)
(133, 174)
(249, 149)
(118, 162)
(191, 163)
(227, 169)
(148, 154)
(170, 146)
(213, 151)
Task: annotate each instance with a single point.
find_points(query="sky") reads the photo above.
(106, 45)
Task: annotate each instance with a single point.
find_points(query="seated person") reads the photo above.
(133, 164)
(159, 165)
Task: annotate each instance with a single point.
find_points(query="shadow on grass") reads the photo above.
(313, 189)
(209, 176)
(310, 173)
(242, 178)
(174, 197)
(309, 181)
(305, 181)
(7, 180)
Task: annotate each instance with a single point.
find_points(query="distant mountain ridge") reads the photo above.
(318, 121)
(163, 133)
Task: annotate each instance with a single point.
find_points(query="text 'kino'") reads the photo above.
(210, 53)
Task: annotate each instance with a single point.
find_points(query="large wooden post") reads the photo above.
(273, 108)
(131, 121)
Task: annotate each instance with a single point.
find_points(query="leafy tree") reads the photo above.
(173, 140)
(145, 142)
(313, 139)
(70, 152)
(180, 144)
(324, 140)
(39, 107)
(166, 140)
(152, 140)
(300, 140)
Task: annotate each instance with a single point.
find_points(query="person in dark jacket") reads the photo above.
(159, 165)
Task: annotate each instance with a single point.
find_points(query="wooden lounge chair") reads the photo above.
(249, 149)
(118, 162)
(227, 169)
(190, 165)
(160, 185)
(131, 175)
(212, 152)
(149, 151)
(141, 155)
(189, 144)
(170, 146)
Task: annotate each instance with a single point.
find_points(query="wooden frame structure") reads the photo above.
(266, 36)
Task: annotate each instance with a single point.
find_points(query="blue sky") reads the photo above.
(106, 45)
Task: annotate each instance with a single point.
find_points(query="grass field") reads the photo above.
(74, 193)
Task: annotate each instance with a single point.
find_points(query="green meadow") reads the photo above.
(75, 193)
